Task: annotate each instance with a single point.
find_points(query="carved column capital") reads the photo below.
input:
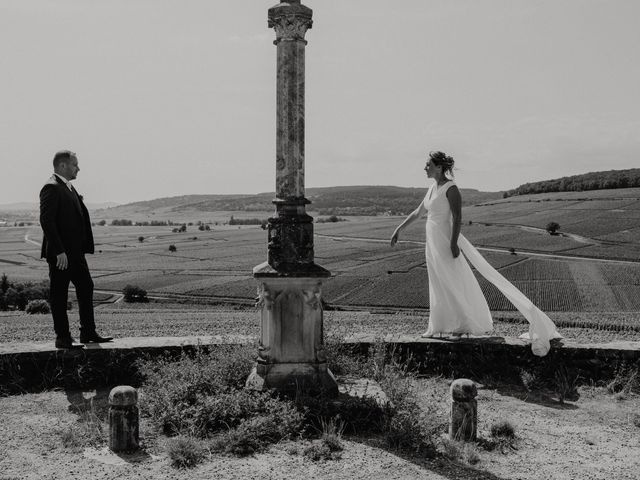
(290, 20)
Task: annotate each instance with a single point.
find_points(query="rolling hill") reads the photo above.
(349, 200)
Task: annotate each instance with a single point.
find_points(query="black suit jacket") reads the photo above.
(64, 220)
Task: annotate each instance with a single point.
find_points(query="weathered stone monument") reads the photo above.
(291, 354)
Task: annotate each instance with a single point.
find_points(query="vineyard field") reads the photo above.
(366, 271)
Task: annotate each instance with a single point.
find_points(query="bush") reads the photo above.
(266, 423)
(626, 380)
(134, 294)
(203, 395)
(121, 222)
(186, 452)
(141, 239)
(552, 227)
(172, 248)
(177, 392)
(503, 429)
(460, 451)
(330, 219)
(18, 295)
(247, 221)
(38, 306)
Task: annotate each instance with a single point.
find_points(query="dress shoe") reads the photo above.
(94, 338)
(67, 342)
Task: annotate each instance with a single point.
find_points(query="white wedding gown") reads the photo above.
(456, 302)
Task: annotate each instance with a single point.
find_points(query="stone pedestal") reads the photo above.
(464, 410)
(124, 430)
(291, 354)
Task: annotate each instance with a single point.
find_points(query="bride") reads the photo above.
(456, 303)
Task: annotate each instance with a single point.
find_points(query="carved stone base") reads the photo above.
(291, 353)
(291, 378)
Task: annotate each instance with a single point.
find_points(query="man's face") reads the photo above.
(70, 169)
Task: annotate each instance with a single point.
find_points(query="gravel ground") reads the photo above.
(131, 320)
(596, 437)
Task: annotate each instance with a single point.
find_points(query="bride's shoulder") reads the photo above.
(450, 184)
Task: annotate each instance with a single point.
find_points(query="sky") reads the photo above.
(175, 97)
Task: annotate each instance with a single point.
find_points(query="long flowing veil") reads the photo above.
(541, 328)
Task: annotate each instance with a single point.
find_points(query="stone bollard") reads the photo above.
(464, 410)
(123, 419)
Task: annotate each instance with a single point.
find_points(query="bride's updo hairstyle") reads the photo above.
(443, 160)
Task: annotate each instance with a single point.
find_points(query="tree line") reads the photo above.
(588, 181)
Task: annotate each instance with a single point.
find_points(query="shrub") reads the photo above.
(320, 451)
(121, 222)
(269, 422)
(177, 392)
(552, 227)
(186, 452)
(530, 380)
(134, 294)
(627, 380)
(202, 395)
(141, 239)
(38, 306)
(407, 427)
(503, 429)
(330, 219)
(565, 383)
(172, 248)
(460, 451)
(14, 298)
(332, 434)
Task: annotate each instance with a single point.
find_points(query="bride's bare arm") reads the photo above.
(413, 216)
(455, 202)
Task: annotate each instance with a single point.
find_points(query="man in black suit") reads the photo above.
(67, 238)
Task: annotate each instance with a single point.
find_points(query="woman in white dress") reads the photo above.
(456, 303)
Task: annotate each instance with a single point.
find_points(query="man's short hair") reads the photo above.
(63, 156)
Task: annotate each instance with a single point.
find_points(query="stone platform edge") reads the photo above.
(143, 343)
(37, 366)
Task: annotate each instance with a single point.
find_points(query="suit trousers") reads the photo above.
(77, 272)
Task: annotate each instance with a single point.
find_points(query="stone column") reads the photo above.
(464, 410)
(291, 354)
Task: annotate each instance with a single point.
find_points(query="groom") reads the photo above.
(67, 237)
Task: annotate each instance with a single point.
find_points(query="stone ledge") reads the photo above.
(128, 343)
(33, 366)
(515, 342)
